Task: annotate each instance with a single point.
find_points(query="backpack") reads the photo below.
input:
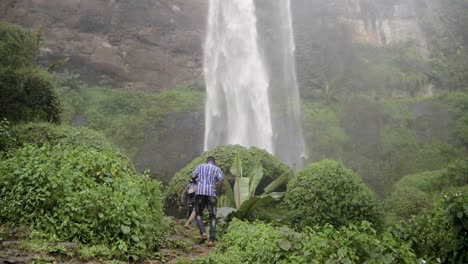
(220, 188)
(191, 189)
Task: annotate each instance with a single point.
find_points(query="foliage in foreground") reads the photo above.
(82, 195)
(262, 243)
(328, 193)
(439, 235)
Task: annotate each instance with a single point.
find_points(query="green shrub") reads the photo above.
(46, 133)
(328, 193)
(80, 194)
(352, 244)
(457, 173)
(225, 155)
(27, 92)
(262, 243)
(249, 243)
(458, 103)
(456, 206)
(438, 235)
(413, 194)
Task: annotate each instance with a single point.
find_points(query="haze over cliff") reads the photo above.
(156, 45)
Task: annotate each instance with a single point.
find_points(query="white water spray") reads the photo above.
(242, 99)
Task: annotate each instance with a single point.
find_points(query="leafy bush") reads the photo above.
(352, 244)
(262, 243)
(328, 193)
(225, 155)
(438, 235)
(415, 193)
(249, 243)
(28, 94)
(457, 173)
(45, 133)
(456, 206)
(80, 194)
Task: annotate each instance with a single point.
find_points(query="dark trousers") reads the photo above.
(210, 202)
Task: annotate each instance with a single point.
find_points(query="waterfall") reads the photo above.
(252, 95)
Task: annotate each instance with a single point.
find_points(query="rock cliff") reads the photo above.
(155, 45)
(144, 45)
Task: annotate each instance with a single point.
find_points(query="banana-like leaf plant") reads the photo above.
(242, 196)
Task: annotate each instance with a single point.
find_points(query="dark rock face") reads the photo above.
(148, 45)
(155, 45)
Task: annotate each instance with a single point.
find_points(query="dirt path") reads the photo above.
(182, 247)
(187, 247)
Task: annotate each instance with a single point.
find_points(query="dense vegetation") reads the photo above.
(385, 140)
(73, 193)
(361, 106)
(65, 183)
(263, 243)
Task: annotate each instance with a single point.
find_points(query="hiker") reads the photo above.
(205, 196)
(188, 200)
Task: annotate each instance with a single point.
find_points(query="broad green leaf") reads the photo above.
(257, 201)
(236, 168)
(255, 178)
(227, 199)
(284, 244)
(277, 183)
(241, 191)
(223, 212)
(125, 229)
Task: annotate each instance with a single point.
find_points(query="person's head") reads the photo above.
(211, 160)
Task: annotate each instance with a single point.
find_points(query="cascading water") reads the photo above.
(252, 95)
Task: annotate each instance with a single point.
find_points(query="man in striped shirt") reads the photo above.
(205, 196)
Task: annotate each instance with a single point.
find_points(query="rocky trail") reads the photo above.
(182, 246)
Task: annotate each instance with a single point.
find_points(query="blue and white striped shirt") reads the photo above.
(207, 174)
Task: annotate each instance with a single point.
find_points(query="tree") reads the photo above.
(27, 92)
